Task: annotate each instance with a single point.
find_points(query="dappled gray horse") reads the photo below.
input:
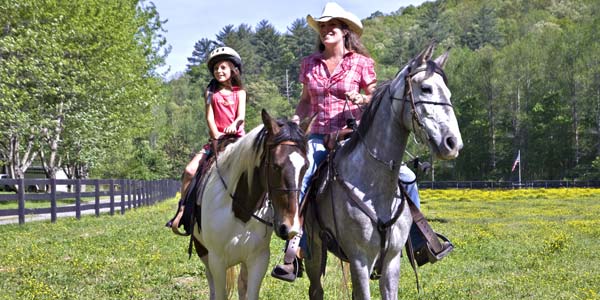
(360, 214)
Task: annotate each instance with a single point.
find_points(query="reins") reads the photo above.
(269, 189)
(409, 97)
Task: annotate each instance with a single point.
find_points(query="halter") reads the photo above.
(269, 189)
(409, 97)
(269, 163)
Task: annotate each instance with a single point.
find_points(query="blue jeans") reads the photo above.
(316, 154)
(409, 180)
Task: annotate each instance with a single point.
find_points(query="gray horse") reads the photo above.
(360, 215)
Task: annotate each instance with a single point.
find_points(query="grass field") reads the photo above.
(517, 244)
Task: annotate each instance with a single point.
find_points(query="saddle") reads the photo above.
(429, 250)
(187, 203)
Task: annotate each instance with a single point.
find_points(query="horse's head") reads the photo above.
(286, 148)
(425, 104)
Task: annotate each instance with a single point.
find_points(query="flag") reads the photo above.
(517, 161)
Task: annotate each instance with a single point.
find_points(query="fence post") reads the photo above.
(122, 196)
(53, 200)
(111, 190)
(97, 201)
(78, 199)
(139, 192)
(21, 199)
(128, 193)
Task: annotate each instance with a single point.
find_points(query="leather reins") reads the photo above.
(267, 160)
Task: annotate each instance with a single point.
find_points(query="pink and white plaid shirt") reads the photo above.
(327, 93)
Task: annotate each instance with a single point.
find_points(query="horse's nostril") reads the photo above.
(451, 142)
(283, 231)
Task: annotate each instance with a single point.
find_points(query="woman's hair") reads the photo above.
(351, 41)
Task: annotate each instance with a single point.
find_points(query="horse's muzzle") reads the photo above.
(286, 232)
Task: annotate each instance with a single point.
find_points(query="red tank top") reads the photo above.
(225, 109)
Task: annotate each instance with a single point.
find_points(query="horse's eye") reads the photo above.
(426, 89)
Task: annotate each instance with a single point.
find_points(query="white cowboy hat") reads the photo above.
(333, 10)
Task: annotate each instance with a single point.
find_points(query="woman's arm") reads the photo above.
(303, 108)
(362, 99)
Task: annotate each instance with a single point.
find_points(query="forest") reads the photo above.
(524, 76)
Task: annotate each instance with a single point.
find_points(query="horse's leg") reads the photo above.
(388, 283)
(209, 278)
(218, 271)
(242, 282)
(313, 265)
(257, 267)
(359, 271)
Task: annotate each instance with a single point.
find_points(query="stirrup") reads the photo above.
(425, 254)
(289, 272)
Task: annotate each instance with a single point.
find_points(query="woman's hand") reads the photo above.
(356, 97)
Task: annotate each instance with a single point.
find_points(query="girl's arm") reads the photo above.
(210, 120)
(241, 114)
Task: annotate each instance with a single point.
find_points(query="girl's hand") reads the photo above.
(231, 129)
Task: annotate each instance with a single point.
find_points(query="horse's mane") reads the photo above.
(247, 152)
(368, 115)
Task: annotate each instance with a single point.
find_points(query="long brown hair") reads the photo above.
(236, 78)
(352, 41)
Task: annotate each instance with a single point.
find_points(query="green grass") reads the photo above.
(517, 244)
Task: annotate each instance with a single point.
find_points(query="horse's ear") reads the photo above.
(441, 60)
(425, 55)
(270, 123)
(307, 123)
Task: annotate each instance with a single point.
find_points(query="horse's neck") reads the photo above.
(386, 139)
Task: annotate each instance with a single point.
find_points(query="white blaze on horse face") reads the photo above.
(439, 120)
(298, 162)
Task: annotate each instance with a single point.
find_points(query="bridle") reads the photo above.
(409, 97)
(267, 162)
(416, 117)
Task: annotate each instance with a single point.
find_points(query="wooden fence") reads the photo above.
(107, 194)
(509, 184)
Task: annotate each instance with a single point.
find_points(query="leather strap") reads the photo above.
(421, 222)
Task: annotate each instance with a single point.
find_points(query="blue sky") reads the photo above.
(191, 20)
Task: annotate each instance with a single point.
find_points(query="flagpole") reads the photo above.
(519, 167)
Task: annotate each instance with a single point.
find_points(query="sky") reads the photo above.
(189, 21)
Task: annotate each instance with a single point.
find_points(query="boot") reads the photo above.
(292, 265)
(423, 251)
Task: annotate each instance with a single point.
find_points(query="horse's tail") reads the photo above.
(230, 279)
(345, 278)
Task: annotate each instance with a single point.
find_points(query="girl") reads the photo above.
(225, 113)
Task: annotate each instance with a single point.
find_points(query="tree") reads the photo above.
(77, 75)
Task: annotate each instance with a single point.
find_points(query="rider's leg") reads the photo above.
(409, 180)
(190, 171)
(289, 270)
(188, 175)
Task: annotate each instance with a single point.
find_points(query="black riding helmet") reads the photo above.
(223, 53)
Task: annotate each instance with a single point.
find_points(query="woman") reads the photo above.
(333, 78)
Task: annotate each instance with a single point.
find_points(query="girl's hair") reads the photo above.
(236, 79)
(351, 42)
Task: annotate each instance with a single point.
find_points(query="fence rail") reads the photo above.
(508, 184)
(110, 194)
